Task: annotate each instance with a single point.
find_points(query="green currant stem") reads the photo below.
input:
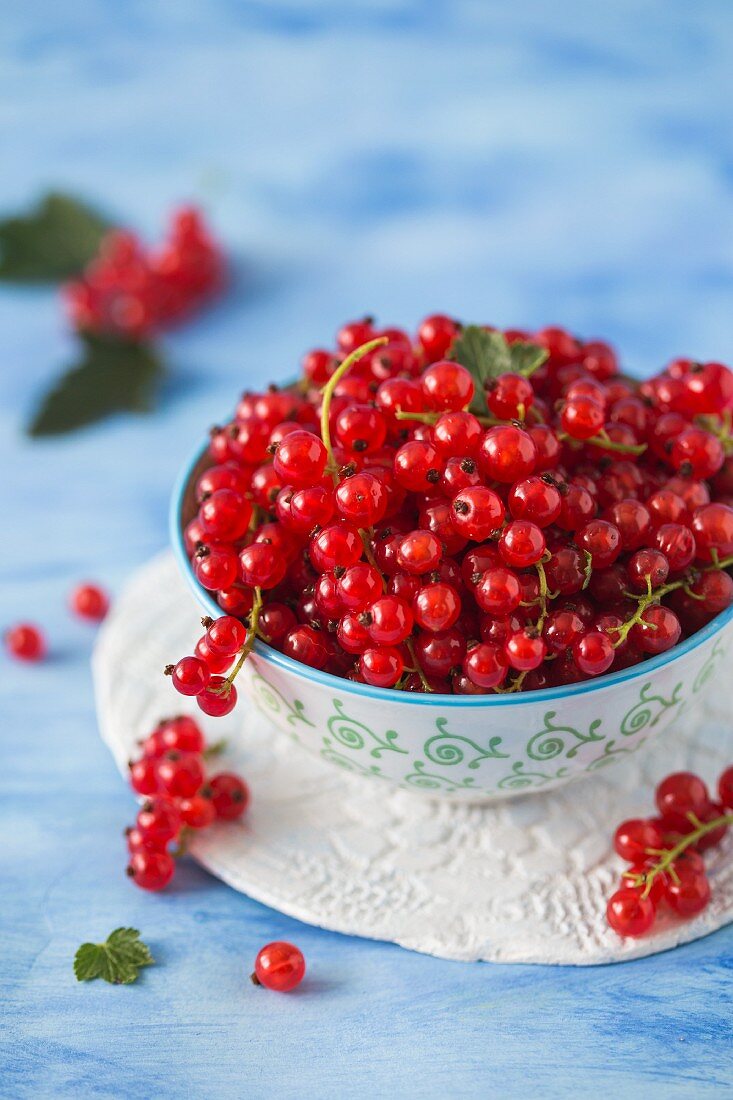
(328, 391)
(368, 554)
(602, 440)
(655, 595)
(246, 649)
(588, 569)
(670, 855)
(433, 417)
(418, 669)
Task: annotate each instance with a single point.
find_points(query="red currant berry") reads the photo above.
(229, 795)
(262, 565)
(600, 539)
(279, 966)
(645, 568)
(225, 515)
(197, 812)
(359, 586)
(680, 795)
(337, 546)
(143, 776)
(498, 592)
(677, 543)
(582, 418)
(300, 459)
(215, 567)
(522, 544)
(447, 386)
(712, 527)
(725, 788)
(486, 665)
(593, 653)
(629, 913)
(151, 870)
(362, 499)
(389, 621)
(436, 334)
(636, 839)
(687, 892)
(180, 775)
(159, 820)
(25, 642)
(476, 512)
(436, 607)
(306, 645)
(419, 552)
(89, 601)
(525, 650)
(507, 454)
(190, 676)
(218, 699)
(381, 667)
(510, 396)
(536, 499)
(697, 453)
(417, 466)
(226, 636)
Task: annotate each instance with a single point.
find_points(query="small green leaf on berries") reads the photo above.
(117, 961)
(55, 241)
(113, 375)
(526, 357)
(486, 355)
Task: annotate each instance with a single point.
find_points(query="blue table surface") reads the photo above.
(522, 164)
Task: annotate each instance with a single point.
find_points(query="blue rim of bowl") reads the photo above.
(387, 695)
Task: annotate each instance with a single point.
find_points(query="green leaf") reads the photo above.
(526, 358)
(56, 240)
(488, 354)
(118, 960)
(113, 375)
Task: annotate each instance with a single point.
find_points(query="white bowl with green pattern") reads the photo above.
(473, 748)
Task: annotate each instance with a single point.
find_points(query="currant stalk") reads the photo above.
(669, 855)
(246, 649)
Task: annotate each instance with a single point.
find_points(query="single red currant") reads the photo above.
(279, 966)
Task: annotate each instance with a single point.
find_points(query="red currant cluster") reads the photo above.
(200, 675)
(171, 776)
(27, 642)
(414, 515)
(664, 852)
(130, 292)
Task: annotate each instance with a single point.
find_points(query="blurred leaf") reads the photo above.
(53, 242)
(113, 375)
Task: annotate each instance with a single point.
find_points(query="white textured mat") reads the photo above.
(524, 881)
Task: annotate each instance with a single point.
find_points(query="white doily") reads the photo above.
(522, 881)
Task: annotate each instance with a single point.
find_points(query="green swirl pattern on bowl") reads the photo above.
(481, 754)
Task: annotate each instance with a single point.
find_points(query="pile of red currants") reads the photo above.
(171, 776)
(667, 868)
(129, 292)
(464, 511)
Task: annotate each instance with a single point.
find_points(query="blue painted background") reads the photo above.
(514, 163)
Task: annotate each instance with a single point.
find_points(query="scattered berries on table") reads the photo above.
(89, 601)
(463, 511)
(25, 642)
(667, 870)
(179, 797)
(279, 966)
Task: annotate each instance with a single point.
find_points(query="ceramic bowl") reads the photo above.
(476, 748)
